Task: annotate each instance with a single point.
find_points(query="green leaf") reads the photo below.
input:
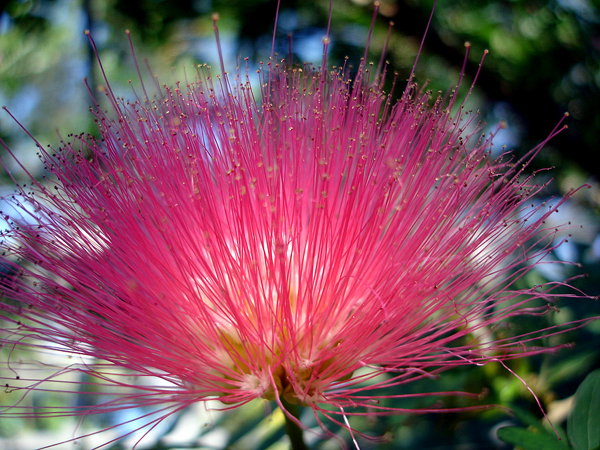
(583, 425)
(527, 418)
(531, 439)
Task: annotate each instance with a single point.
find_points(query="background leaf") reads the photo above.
(531, 439)
(583, 425)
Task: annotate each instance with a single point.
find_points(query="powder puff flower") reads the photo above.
(304, 244)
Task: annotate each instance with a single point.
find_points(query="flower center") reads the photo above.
(283, 366)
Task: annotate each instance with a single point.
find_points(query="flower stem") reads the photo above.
(293, 430)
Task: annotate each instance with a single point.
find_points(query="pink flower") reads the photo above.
(305, 244)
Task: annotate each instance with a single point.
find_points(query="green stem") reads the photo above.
(293, 430)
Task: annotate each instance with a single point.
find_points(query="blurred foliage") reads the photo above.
(544, 61)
